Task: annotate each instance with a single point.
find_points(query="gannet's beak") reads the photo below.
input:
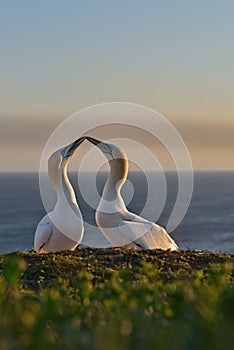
(70, 149)
(94, 141)
(103, 146)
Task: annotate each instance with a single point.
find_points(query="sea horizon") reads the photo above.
(207, 225)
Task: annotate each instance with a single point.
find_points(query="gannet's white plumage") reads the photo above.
(120, 226)
(62, 228)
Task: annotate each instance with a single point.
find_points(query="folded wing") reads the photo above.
(42, 236)
(147, 235)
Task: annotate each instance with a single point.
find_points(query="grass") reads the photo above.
(116, 299)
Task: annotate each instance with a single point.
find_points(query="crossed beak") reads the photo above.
(94, 141)
(72, 147)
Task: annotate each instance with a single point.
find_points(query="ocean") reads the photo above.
(208, 224)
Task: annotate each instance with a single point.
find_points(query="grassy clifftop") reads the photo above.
(116, 298)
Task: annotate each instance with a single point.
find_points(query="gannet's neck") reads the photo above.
(62, 185)
(116, 179)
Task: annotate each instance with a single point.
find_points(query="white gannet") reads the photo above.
(62, 228)
(120, 226)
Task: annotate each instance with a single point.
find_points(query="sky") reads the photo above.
(59, 56)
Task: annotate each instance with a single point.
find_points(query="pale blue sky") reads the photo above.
(176, 56)
(59, 56)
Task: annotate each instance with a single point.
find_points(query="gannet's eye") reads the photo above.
(63, 151)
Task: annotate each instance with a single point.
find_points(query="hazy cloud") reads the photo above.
(210, 145)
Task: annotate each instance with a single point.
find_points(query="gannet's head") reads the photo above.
(60, 158)
(116, 155)
(111, 151)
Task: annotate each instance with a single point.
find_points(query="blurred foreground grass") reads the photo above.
(116, 299)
